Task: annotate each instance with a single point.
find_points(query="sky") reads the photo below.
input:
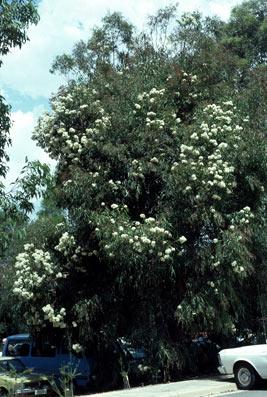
(25, 81)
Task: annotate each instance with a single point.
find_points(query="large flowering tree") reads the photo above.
(161, 185)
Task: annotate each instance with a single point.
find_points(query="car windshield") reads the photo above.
(11, 365)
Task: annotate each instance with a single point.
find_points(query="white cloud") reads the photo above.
(22, 144)
(2, 92)
(222, 8)
(209, 7)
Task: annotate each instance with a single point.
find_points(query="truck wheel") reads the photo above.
(3, 393)
(245, 376)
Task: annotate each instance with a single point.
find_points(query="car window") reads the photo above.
(43, 348)
(16, 365)
(18, 348)
(3, 367)
(8, 365)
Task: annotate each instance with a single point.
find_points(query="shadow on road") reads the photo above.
(222, 378)
(261, 385)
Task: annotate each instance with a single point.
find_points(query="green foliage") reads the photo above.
(63, 386)
(15, 18)
(246, 31)
(4, 137)
(109, 44)
(16, 204)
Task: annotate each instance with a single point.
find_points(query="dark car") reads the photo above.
(15, 379)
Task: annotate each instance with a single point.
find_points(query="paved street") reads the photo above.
(216, 386)
(202, 387)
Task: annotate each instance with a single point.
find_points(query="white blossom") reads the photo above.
(182, 239)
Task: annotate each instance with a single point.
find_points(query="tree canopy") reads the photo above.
(246, 32)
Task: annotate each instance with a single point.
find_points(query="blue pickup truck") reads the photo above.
(48, 358)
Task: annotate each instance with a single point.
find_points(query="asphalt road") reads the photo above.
(215, 386)
(199, 387)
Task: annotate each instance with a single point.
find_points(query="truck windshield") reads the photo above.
(18, 348)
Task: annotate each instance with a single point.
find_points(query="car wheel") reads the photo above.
(245, 376)
(3, 393)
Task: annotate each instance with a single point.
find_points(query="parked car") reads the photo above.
(135, 360)
(48, 357)
(14, 379)
(247, 363)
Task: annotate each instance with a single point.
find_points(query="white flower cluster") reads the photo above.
(33, 269)
(34, 319)
(149, 98)
(242, 217)
(68, 247)
(137, 170)
(188, 19)
(66, 244)
(185, 76)
(64, 140)
(211, 284)
(154, 92)
(114, 185)
(77, 347)
(238, 269)
(204, 160)
(56, 319)
(147, 237)
(36, 278)
(216, 264)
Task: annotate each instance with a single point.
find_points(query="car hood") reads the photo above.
(26, 378)
(251, 349)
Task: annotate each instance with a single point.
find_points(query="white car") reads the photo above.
(247, 363)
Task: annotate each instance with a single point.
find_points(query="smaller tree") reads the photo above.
(246, 32)
(15, 19)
